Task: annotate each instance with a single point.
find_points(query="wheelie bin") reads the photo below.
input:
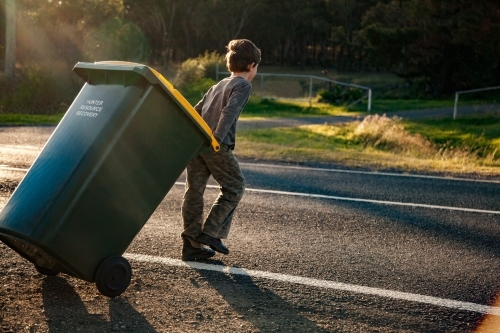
(116, 153)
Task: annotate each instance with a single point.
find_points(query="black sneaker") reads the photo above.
(191, 253)
(214, 243)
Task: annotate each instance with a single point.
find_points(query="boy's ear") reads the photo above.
(250, 66)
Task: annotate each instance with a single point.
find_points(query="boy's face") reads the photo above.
(252, 71)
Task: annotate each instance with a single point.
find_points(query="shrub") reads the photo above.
(36, 90)
(203, 66)
(339, 95)
(389, 134)
(189, 71)
(194, 91)
(209, 61)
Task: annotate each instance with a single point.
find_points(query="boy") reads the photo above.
(220, 107)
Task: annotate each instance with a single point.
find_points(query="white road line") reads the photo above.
(331, 197)
(303, 168)
(379, 202)
(13, 169)
(436, 301)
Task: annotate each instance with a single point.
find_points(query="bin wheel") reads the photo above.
(46, 271)
(113, 276)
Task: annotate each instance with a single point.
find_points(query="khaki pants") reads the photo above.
(225, 169)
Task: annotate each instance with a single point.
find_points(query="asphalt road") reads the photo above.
(440, 252)
(312, 250)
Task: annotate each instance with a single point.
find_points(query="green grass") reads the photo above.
(304, 137)
(480, 134)
(271, 108)
(29, 119)
(468, 145)
(268, 108)
(392, 105)
(291, 108)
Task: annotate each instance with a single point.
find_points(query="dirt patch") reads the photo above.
(8, 186)
(35, 136)
(18, 156)
(20, 146)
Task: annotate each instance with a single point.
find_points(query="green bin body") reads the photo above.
(116, 153)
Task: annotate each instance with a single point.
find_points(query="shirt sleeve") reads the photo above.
(199, 105)
(231, 112)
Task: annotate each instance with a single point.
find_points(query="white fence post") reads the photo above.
(455, 107)
(261, 86)
(466, 92)
(369, 100)
(310, 89)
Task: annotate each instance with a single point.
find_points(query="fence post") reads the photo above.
(467, 92)
(217, 71)
(262, 87)
(310, 90)
(369, 100)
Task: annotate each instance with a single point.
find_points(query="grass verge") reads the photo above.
(468, 146)
(276, 108)
(9, 119)
(392, 105)
(272, 108)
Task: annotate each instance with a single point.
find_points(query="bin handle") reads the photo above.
(215, 145)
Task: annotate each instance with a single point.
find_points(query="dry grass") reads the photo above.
(389, 134)
(377, 142)
(367, 159)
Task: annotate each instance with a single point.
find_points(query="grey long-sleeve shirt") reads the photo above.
(221, 107)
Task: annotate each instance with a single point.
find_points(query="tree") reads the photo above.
(446, 45)
(10, 38)
(226, 18)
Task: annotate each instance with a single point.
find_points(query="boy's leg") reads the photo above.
(197, 175)
(226, 171)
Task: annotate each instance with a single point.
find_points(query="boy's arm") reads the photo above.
(232, 110)
(199, 105)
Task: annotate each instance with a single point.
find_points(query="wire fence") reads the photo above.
(305, 87)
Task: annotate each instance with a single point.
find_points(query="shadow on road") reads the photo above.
(66, 312)
(265, 310)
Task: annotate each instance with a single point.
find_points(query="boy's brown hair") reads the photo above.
(240, 54)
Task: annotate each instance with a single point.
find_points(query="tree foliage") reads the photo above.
(447, 45)
(439, 46)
